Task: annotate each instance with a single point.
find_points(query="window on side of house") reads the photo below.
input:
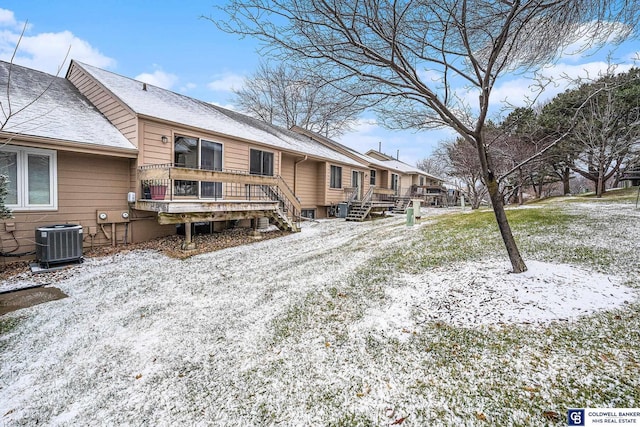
(32, 175)
(394, 182)
(355, 179)
(372, 177)
(336, 177)
(422, 181)
(260, 162)
(308, 213)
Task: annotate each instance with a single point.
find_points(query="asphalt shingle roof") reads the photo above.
(43, 105)
(163, 104)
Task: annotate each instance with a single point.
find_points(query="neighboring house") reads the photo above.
(64, 160)
(216, 164)
(376, 176)
(390, 183)
(411, 182)
(129, 161)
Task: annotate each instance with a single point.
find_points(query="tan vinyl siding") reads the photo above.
(306, 184)
(235, 156)
(404, 184)
(117, 113)
(287, 170)
(384, 179)
(153, 150)
(86, 184)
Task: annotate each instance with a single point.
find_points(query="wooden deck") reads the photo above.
(183, 195)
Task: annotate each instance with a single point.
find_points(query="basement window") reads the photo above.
(308, 213)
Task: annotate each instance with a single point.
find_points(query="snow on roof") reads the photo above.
(43, 105)
(170, 106)
(363, 157)
(406, 168)
(390, 163)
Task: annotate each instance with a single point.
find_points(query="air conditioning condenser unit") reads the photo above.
(57, 244)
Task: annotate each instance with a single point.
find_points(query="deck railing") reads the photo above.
(166, 182)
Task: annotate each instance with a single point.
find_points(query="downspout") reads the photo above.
(295, 172)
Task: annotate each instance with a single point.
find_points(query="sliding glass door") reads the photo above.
(194, 153)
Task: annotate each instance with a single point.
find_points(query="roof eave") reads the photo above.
(63, 145)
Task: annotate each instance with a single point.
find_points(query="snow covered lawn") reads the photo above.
(342, 324)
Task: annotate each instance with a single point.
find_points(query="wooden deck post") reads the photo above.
(255, 233)
(188, 244)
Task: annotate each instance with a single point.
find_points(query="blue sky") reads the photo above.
(168, 44)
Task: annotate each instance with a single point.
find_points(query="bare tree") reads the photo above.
(606, 142)
(285, 96)
(463, 167)
(409, 57)
(433, 165)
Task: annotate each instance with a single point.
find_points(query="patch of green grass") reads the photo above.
(517, 375)
(494, 375)
(618, 195)
(8, 324)
(331, 308)
(474, 236)
(351, 419)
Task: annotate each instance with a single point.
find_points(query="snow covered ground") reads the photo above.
(291, 331)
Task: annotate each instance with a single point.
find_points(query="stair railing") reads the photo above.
(368, 196)
(290, 202)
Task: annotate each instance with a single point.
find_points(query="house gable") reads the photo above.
(118, 113)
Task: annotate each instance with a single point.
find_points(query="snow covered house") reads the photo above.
(388, 183)
(411, 182)
(128, 161)
(63, 158)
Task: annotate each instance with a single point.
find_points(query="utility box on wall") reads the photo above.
(58, 244)
(109, 217)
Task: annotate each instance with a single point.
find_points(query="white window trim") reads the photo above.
(339, 169)
(22, 154)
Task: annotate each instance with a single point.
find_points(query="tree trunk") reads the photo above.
(565, 181)
(505, 229)
(520, 186)
(517, 263)
(600, 184)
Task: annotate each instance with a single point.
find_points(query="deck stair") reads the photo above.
(283, 221)
(402, 203)
(359, 210)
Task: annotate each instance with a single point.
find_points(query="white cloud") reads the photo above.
(158, 78)
(46, 51)
(226, 82)
(363, 125)
(8, 20)
(188, 87)
(592, 36)
(561, 77)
